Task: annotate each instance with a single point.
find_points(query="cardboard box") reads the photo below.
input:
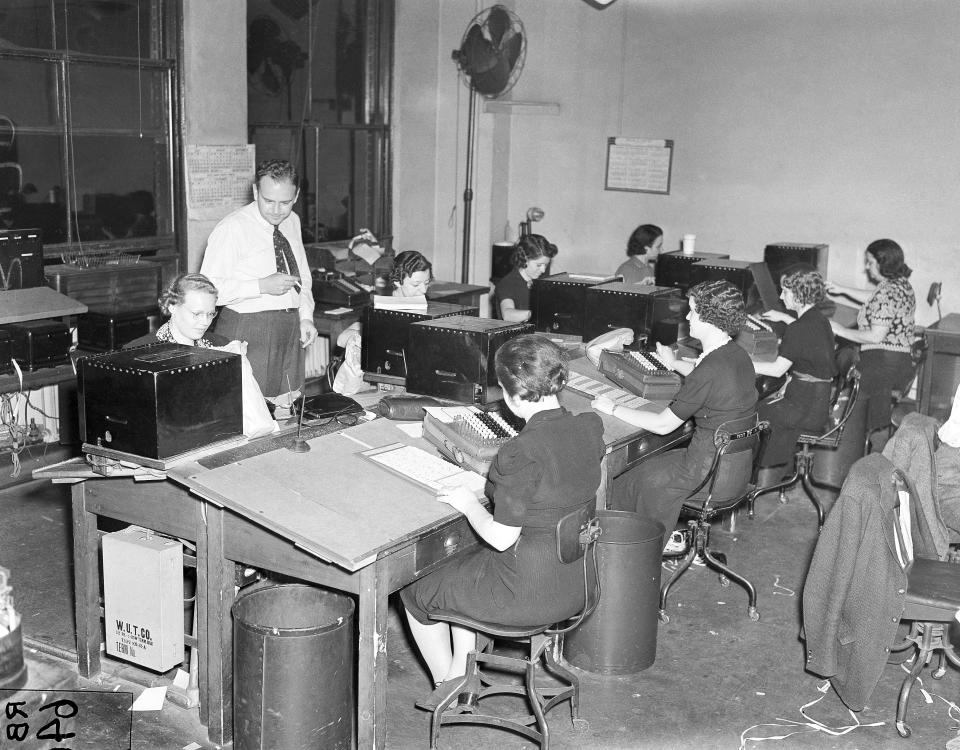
(143, 598)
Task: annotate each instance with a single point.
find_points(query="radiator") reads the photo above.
(317, 356)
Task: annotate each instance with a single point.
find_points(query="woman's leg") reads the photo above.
(464, 641)
(433, 641)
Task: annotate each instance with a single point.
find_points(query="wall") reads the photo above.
(807, 122)
(214, 68)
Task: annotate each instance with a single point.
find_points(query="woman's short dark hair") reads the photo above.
(278, 170)
(178, 288)
(643, 237)
(531, 366)
(720, 304)
(889, 257)
(408, 263)
(807, 286)
(530, 247)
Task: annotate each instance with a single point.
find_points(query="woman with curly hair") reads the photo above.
(530, 258)
(643, 247)
(550, 469)
(718, 390)
(410, 277)
(884, 328)
(808, 352)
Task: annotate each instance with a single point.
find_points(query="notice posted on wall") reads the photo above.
(640, 165)
(219, 179)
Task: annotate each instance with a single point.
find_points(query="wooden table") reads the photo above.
(329, 517)
(458, 294)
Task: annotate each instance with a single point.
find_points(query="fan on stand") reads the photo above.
(490, 58)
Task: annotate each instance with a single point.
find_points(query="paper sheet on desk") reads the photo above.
(447, 414)
(338, 311)
(593, 388)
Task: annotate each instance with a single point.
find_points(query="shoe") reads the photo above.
(699, 561)
(440, 693)
(677, 544)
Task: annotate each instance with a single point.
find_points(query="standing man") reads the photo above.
(255, 257)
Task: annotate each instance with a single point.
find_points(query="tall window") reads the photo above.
(86, 144)
(319, 95)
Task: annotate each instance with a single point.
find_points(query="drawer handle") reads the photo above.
(452, 541)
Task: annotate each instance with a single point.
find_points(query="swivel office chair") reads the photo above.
(902, 403)
(577, 534)
(732, 437)
(841, 407)
(932, 601)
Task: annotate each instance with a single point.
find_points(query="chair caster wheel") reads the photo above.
(724, 581)
(664, 617)
(581, 725)
(903, 729)
(753, 614)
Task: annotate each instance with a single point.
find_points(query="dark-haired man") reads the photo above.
(255, 257)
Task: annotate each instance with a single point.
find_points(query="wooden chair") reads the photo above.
(577, 536)
(841, 407)
(732, 437)
(932, 601)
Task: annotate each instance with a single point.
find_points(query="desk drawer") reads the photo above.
(442, 543)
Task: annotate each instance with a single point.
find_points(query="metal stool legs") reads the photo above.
(930, 639)
(803, 471)
(700, 545)
(477, 686)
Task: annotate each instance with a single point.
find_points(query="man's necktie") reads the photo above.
(286, 263)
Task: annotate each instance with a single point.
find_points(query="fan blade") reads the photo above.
(512, 47)
(498, 23)
(492, 82)
(476, 54)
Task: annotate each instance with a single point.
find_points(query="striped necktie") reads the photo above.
(286, 263)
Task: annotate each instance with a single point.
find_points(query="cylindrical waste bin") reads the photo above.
(620, 637)
(13, 672)
(831, 465)
(293, 669)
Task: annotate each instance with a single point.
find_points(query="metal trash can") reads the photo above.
(13, 672)
(831, 465)
(293, 669)
(620, 637)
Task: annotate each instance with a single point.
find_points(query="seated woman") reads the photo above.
(410, 277)
(717, 389)
(190, 303)
(549, 470)
(643, 247)
(884, 328)
(807, 351)
(530, 258)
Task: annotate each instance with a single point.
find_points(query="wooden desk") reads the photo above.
(361, 530)
(332, 326)
(940, 372)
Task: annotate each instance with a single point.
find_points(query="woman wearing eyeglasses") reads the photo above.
(190, 303)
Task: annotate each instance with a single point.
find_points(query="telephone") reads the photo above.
(613, 341)
(338, 290)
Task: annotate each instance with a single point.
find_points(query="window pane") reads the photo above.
(281, 36)
(112, 97)
(117, 187)
(28, 92)
(31, 187)
(26, 24)
(104, 27)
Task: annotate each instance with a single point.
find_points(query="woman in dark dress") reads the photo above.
(807, 351)
(549, 470)
(530, 258)
(717, 390)
(190, 303)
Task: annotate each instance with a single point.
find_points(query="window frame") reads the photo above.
(165, 34)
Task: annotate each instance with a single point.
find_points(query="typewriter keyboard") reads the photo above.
(648, 361)
(488, 425)
(754, 323)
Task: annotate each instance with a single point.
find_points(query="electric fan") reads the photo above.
(490, 58)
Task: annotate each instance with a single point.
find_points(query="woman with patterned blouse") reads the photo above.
(885, 328)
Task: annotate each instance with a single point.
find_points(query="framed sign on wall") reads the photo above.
(639, 165)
